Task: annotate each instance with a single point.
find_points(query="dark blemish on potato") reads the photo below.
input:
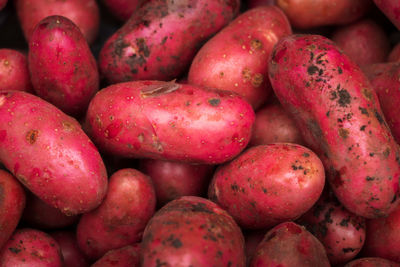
(294, 167)
(371, 154)
(143, 48)
(264, 190)
(175, 242)
(306, 155)
(15, 250)
(378, 117)
(32, 136)
(311, 70)
(119, 46)
(201, 207)
(214, 102)
(347, 250)
(333, 95)
(363, 111)
(257, 79)
(344, 98)
(277, 55)
(394, 199)
(159, 89)
(345, 222)
(386, 153)
(362, 128)
(367, 93)
(255, 44)
(235, 187)
(159, 263)
(344, 133)
(311, 57)
(328, 113)
(340, 70)
(369, 178)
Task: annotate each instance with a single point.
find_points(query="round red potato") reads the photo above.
(372, 262)
(72, 256)
(122, 216)
(14, 72)
(175, 179)
(268, 184)
(31, 248)
(84, 13)
(128, 256)
(289, 244)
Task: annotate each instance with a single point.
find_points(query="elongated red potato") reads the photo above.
(62, 67)
(372, 262)
(305, 14)
(30, 247)
(391, 9)
(236, 58)
(169, 121)
(50, 154)
(268, 184)
(12, 204)
(384, 78)
(84, 13)
(339, 116)
(121, 217)
(128, 256)
(14, 72)
(123, 9)
(289, 244)
(160, 40)
(72, 256)
(192, 231)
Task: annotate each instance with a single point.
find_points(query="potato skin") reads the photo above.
(341, 232)
(340, 119)
(255, 186)
(364, 41)
(169, 121)
(236, 58)
(192, 231)
(31, 248)
(371, 262)
(160, 40)
(12, 204)
(391, 9)
(123, 9)
(50, 154)
(62, 67)
(84, 13)
(289, 244)
(14, 72)
(305, 14)
(121, 217)
(72, 256)
(126, 256)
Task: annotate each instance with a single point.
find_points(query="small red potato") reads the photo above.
(161, 38)
(394, 55)
(268, 184)
(50, 154)
(384, 78)
(31, 248)
(175, 179)
(305, 14)
(170, 121)
(192, 231)
(342, 233)
(383, 237)
(84, 13)
(274, 125)
(372, 262)
(62, 67)
(339, 117)
(289, 244)
(127, 256)
(121, 217)
(123, 9)
(14, 72)
(12, 203)
(391, 9)
(39, 215)
(72, 256)
(236, 58)
(364, 41)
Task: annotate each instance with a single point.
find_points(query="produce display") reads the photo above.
(215, 133)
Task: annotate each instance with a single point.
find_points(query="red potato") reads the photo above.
(12, 203)
(175, 179)
(236, 58)
(169, 121)
(160, 40)
(268, 184)
(274, 125)
(391, 8)
(84, 13)
(39, 215)
(72, 256)
(305, 14)
(383, 237)
(341, 232)
(121, 217)
(364, 41)
(62, 67)
(31, 248)
(339, 116)
(123, 9)
(192, 231)
(50, 154)
(289, 244)
(384, 78)
(127, 256)
(371, 262)
(14, 72)
(394, 55)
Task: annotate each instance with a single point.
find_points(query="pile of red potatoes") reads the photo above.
(199, 133)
